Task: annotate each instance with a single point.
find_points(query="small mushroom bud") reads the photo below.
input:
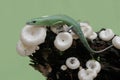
(63, 67)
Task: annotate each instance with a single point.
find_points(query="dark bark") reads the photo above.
(48, 60)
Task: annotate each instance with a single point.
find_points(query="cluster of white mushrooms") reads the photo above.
(65, 35)
(32, 36)
(107, 35)
(93, 68)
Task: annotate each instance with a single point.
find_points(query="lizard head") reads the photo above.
(35, 21)
(42, 21)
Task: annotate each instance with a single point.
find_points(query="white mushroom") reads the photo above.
(116, 42)
(33, 35)
(37, 48)
(93, 65)
(72, 63)
(66, 28)
(63, 41)
(86, 29)
(25, 50)
(106, 35)
(92, 36)
(58, 28)
(86, 74)
(63, 67)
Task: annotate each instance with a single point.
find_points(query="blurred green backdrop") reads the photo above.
(14, 14)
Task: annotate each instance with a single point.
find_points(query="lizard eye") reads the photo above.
(33, 21)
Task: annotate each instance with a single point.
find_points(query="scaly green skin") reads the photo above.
(56, 19)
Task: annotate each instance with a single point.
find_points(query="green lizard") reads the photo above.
(56, 19)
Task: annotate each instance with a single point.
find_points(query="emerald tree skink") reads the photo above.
(63, 19)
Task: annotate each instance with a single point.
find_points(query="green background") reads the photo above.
(14, 14)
